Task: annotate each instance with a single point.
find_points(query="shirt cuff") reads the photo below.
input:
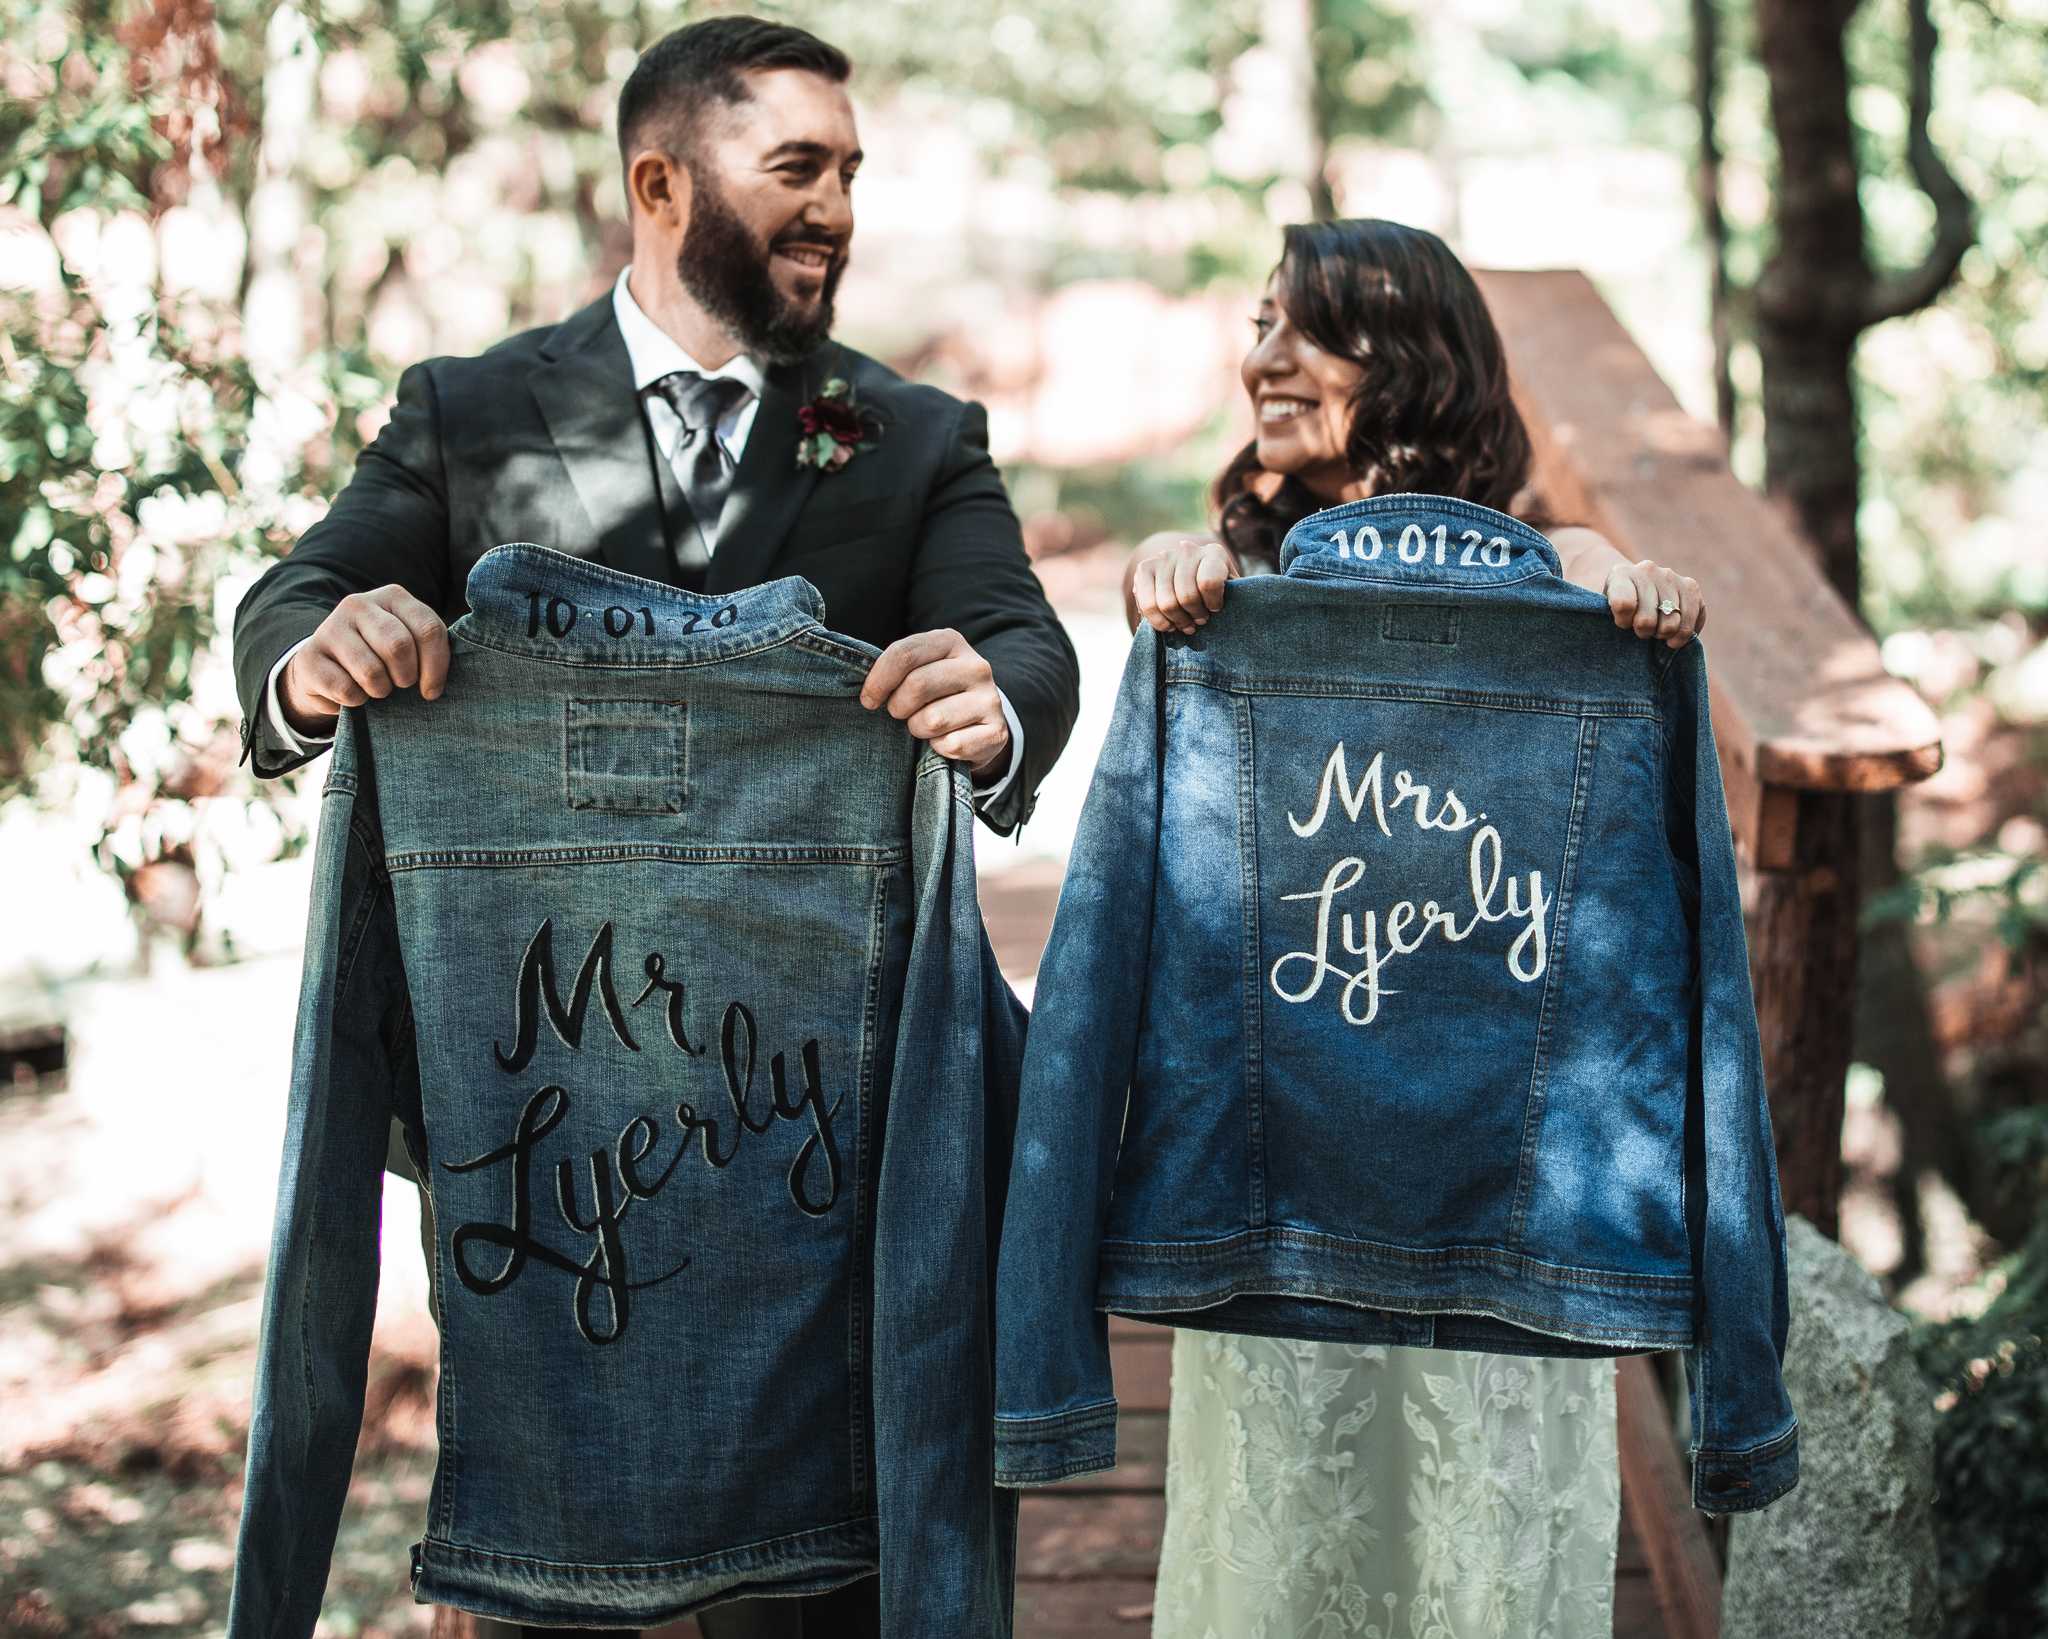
(303, 744)
(983, 796)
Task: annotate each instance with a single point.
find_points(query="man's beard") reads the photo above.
(728, 274)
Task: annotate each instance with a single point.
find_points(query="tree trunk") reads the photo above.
(1288, 29)
(1810, 298)
(1818, 293)
(1706, 97)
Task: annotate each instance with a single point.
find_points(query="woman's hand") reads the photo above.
(1175, 581)
(1635, 592)
(1655, 602)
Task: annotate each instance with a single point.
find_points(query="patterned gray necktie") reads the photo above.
(702, 402)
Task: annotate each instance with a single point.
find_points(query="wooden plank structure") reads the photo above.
(1806, 719)
(1805, 716)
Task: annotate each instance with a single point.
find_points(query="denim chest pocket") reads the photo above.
(626, 756)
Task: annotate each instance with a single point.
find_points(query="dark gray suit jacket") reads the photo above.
(542, 439)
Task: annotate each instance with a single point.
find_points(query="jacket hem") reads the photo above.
(520, 1588)
(1045, 1450)
(1172, 1280)
(1737, 1482)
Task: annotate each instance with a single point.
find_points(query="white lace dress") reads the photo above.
(1339, 1491)
(1318, 1490)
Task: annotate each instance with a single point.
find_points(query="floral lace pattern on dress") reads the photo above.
(1319, 1490)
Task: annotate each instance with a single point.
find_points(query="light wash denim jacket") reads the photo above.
(667, 954)
(1398, 993)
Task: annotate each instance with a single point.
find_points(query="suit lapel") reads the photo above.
(585, 392)
(768, 489)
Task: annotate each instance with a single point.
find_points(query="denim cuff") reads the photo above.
(1736, 1482)
(1045, 1450)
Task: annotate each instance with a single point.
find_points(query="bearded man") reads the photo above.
(694, 425)
(740, 151)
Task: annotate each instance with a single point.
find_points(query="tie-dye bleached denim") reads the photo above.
(1398, 993)
(667, 954)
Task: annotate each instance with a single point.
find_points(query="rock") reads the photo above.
(1849, 1553)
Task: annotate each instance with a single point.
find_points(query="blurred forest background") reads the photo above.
(226, 227)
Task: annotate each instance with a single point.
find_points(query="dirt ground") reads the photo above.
(124, 1374)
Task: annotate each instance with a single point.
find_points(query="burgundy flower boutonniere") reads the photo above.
(835, 428)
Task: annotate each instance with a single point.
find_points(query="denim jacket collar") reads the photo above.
(532, 600)
(1418, 540)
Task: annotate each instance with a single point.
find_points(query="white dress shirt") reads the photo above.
(654, 353)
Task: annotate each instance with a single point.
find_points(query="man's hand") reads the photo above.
(945, 694)
(374, 642)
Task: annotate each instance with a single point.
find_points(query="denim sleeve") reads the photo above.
(321, 1294)
(1055, 1405)
(948, 1535)
(1745, 1437)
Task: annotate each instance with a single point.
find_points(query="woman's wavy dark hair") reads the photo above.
(1432, 412)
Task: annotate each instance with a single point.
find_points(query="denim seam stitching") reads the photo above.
(1622, 1340)
(365, 907)
(1539, 1069)
(636, 659)
(1700, 1380)
(1389, 610)
(420, 859)
(1210, 677)
(1538, 1321)
(1316, 571)
(1091, 1415)
(1541, 1322)
(650, 1567)
(678, 754)
(1309, 1240)
(1761, 1451)
(1662, 742)
(860, 1323)
(306, 1365)
(451, 1448)
(823, 643)
(1014, 1478)
(1254, 1023)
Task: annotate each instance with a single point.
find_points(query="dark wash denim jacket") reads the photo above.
(1398, 993)
(667, 954)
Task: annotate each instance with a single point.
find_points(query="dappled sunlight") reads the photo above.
(1066, 212)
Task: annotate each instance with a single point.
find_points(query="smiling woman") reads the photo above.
(1312, 1483)
(1355, 396)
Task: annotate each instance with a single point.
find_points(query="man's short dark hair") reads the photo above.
(682, 73)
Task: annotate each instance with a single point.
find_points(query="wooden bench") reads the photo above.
(1805, 719)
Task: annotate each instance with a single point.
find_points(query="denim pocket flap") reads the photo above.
(1420, 623)
(627, 756)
